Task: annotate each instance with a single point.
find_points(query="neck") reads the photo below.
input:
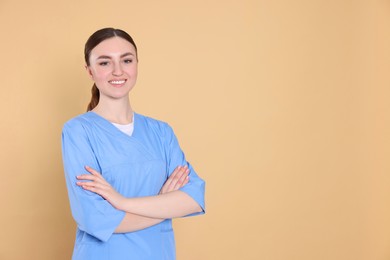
(115, 111)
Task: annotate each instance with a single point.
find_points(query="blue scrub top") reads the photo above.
(135, 166)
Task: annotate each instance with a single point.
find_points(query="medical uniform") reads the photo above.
(136, 166)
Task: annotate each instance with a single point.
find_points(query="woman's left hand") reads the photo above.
(96, 183)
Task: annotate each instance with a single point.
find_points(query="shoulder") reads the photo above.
(78, 123)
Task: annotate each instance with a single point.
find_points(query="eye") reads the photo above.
(103, 63)
(128, 61)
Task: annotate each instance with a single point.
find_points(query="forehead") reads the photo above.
(114, 46)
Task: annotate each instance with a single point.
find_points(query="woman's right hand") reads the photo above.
(96, 183)
(178, 179)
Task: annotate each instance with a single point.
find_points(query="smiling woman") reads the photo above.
(112, 65)
(94, 42)
(126, 174)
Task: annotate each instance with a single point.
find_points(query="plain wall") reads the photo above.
(282, 107)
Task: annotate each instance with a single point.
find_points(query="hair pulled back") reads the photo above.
(96, 38)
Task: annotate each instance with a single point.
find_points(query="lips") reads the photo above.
(117, 82)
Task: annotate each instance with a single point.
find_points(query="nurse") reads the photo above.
(126, 174)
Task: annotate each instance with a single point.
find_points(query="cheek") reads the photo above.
(134, 71)
(100, 73)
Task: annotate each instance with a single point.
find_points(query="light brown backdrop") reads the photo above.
(282, 106)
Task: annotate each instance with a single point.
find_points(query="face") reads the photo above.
(113, 67)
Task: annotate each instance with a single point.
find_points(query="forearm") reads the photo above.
(132, 222)
(168, 205)
(171, 203)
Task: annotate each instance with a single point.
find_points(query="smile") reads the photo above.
(117, 82)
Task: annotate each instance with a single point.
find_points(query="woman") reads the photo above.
(126, 174)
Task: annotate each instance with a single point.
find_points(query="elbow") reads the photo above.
(190, 206)
(198, 209)
(189, 210)
(195, 202)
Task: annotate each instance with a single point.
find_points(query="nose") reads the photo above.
(117, 69)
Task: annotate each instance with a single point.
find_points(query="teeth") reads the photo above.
(117, 81)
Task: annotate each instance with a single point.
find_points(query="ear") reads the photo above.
(88, 69)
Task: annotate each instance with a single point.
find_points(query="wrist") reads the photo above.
(121, 203)
(124, 203)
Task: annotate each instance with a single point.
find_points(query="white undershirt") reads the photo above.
(127, 129)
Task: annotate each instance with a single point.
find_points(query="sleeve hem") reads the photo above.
(106, 235)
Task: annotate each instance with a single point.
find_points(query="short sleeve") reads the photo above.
(195, 188)
(92, 213)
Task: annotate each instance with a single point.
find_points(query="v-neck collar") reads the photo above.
(110, 127)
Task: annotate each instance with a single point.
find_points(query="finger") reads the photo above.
(97, 188)
(94, 189)
(167, 185)
(176, 178)
(180, 182)
(90, 184)
(93, 171)
(91, 178)
(88, 177)
(186, 180)
(174, 185)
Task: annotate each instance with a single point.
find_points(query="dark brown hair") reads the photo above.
(96, 38)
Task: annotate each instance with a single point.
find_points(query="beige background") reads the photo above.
(282, 106)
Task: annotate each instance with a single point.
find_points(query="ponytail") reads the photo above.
(94, 99)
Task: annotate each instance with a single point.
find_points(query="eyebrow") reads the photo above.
(109, 57)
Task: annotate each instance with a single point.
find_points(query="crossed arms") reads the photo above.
(143, 212)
